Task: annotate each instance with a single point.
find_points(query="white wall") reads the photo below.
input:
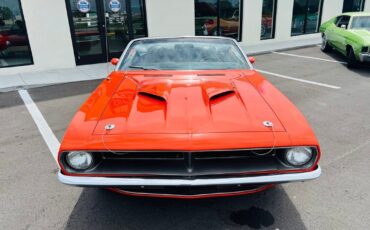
(283, 23)
(49, 36)
(170, 18)
(331, 9)
(367, 6)
(252, 11)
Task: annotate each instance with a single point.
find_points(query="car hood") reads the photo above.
(186, 103)
(363, 34)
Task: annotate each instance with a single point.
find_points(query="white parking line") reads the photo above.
(45, 130)
(299, 79)
(308, 57)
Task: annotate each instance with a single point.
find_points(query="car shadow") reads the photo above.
(103, 209)
(362, 70)
(336, 55)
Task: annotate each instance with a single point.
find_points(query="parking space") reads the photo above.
(334, 99)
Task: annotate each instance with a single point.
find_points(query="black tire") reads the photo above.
(325, 47)
(351, 59)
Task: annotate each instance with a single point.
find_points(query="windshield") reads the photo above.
(184, 54)
(362, 22)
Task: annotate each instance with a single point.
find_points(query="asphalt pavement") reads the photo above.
(334, 99)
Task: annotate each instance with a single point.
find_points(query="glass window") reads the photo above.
(268, 19)
(353, 5)
(86, 28)
(138, 19)
(14, 45)
(361, 22)
(218, 18)
(184, 54)
(343, 21)
(306, 16)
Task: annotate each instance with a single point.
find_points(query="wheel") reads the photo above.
(325, 47)
(352, 61)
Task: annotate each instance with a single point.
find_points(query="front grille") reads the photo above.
(176, 164)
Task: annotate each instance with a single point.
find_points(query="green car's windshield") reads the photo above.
(361, 22)
(184, 54)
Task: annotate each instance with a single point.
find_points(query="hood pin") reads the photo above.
(109, 126)
(267, 123)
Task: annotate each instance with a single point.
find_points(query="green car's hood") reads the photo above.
(363, 34)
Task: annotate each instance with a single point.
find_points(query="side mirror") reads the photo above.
(252, 60)
(114, 61)
(343, 26)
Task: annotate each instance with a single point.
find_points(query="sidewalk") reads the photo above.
(35, 79)
(100, 71)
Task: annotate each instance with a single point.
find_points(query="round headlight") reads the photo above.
(79, 160)
(298, 156)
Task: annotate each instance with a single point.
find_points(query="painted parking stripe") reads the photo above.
(45, 130)
(308, 57)
(299, 79)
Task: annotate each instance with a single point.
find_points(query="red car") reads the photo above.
(14, 37)
(187, 117)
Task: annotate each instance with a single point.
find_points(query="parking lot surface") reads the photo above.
(334, 99)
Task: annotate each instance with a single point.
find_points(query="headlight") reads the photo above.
(298, 156)
(79, 160)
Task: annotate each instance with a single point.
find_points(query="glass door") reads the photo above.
(118, 35)
(87, 31)
(101, 29)
(125, 20)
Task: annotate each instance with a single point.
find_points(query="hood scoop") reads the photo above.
(159, 91)
(218, 89)
(152, 96)
(221, 94)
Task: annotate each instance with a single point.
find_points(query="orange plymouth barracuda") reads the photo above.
(187, 117)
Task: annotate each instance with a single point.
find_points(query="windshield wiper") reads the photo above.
(141, 67)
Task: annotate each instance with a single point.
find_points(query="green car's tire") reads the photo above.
(352, 61)
(325, 47)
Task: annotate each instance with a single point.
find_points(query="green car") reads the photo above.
(349, 34)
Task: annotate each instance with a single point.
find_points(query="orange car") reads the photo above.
(187, 117)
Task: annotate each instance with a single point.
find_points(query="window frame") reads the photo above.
(273, 22)
(240, 32)
(340, 20)
(321, 5)
(361, 10)
(28, 41)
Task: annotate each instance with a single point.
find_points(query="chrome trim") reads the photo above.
(194, 151)
(364, 57)
(209, 37)
(114, 181)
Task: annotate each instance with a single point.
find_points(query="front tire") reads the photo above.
(325, 47)
(352, 61)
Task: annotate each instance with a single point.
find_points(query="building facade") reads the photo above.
(44, 35)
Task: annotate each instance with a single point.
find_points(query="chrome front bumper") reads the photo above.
(116, 181)
(364, 57)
